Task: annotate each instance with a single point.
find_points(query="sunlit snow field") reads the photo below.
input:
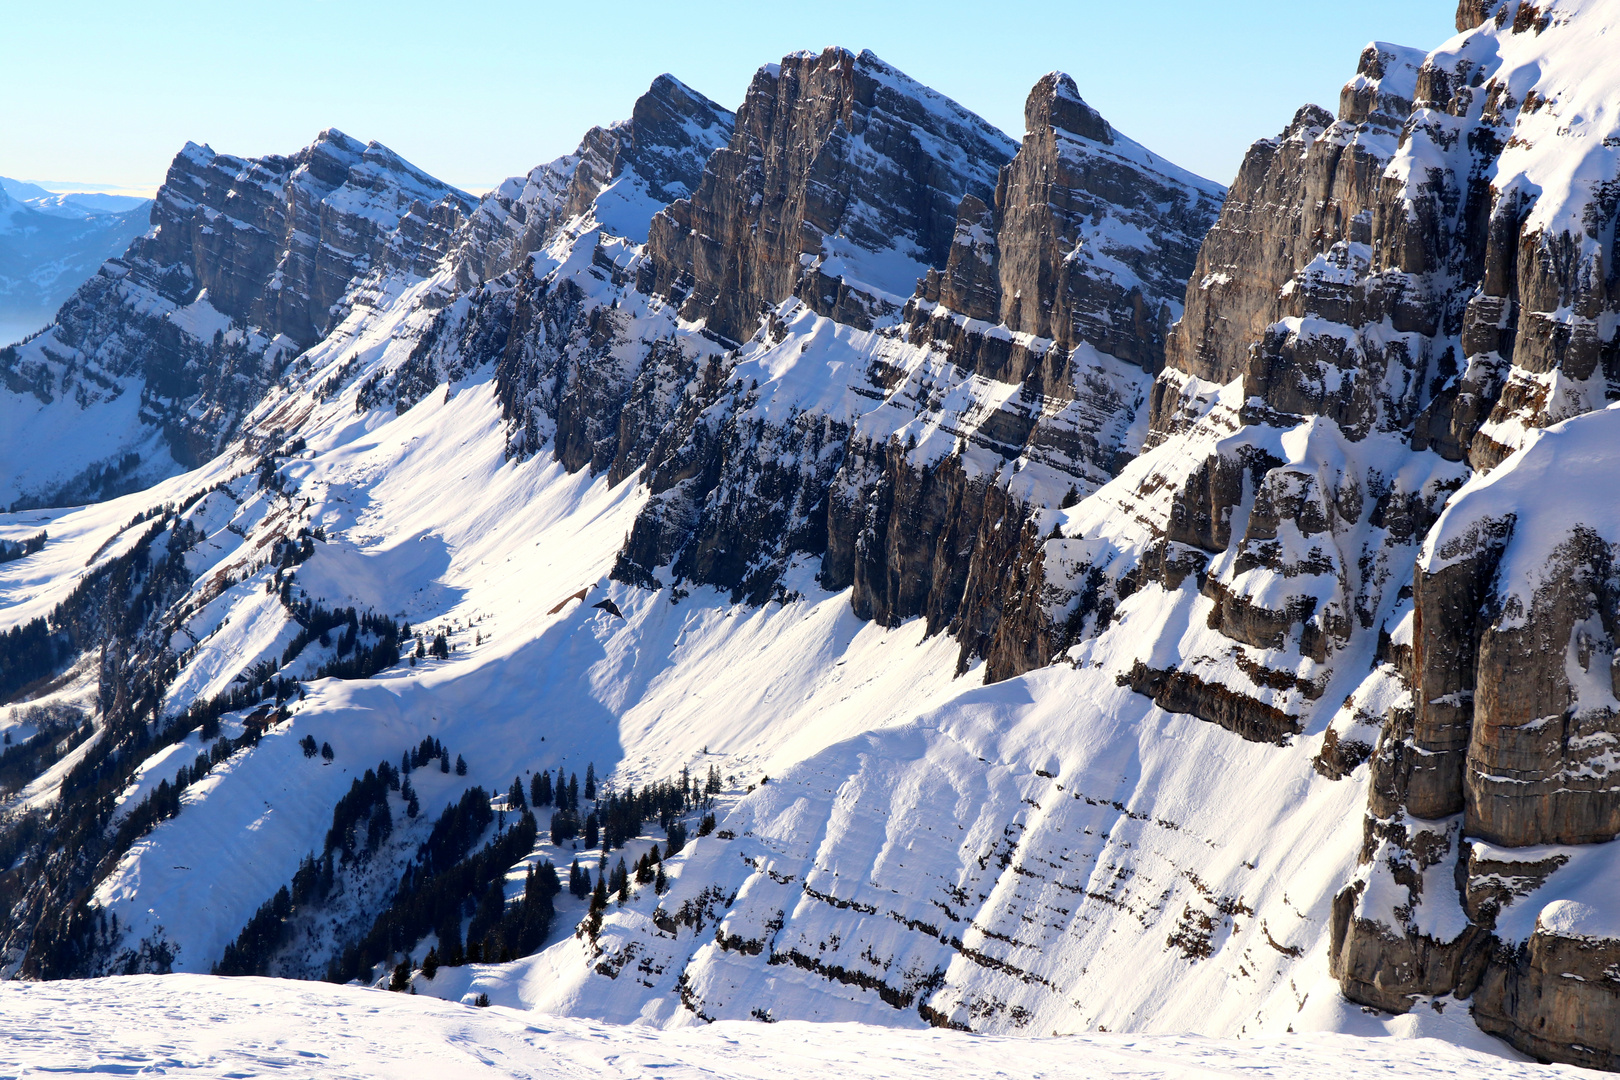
(199, 1026)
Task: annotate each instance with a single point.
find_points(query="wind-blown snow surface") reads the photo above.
(196, 1026)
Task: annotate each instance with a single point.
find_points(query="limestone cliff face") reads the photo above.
(1420, 279)
(1075, 206)
(248, 261)
(840, 186)
(925, 505)
(1428, 231)
(276, 241)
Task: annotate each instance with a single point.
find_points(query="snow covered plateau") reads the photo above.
(833, 587)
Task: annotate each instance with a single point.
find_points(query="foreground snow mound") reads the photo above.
(190, 1025)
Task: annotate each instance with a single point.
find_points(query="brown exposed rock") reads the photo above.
(1062, 180)
(1556, 998)
(826, 146)
(1183, 692)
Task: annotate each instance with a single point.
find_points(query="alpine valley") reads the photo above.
(836, 562)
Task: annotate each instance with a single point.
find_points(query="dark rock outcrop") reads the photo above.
(1100, 234)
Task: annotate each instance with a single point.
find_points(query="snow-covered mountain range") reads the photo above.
(917, 577)
(50, 243)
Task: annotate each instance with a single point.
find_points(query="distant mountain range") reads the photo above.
(51, 243)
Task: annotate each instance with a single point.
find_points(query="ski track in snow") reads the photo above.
(201, 1026)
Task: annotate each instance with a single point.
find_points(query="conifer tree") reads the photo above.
(590, 830)
(326, 751)
(514, 797)
(590, 781)
(461, 766)
(444, 760)
(621, 881)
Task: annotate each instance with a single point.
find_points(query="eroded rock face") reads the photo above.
(248, 261)
(668, 139)
(1096, 241)
(1556, 996)
(1511, 742)
(843, 174)
(927, 501)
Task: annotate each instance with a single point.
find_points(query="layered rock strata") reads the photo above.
(245, 265)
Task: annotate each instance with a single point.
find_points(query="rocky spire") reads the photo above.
(1097, 235)
(840, 185)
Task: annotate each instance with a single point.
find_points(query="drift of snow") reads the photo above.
(198, 1026)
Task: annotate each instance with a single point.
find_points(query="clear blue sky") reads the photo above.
(105, 93)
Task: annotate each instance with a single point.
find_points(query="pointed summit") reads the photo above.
(1054, 103)
(839, 186)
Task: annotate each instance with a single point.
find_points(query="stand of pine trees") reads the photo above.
(356, 658)
(620, 816)
(122, 613)
(11, 550)
(29, 653)
(56, 737)
(365, 801)
(438, 892)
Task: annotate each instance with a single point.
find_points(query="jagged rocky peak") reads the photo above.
(248, 261)
(618, 178)
(1296, 240)
(1055, 104)
(1430, 261)
(840, 185)
(669, 137)
(1094, 236)
(277, 240)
